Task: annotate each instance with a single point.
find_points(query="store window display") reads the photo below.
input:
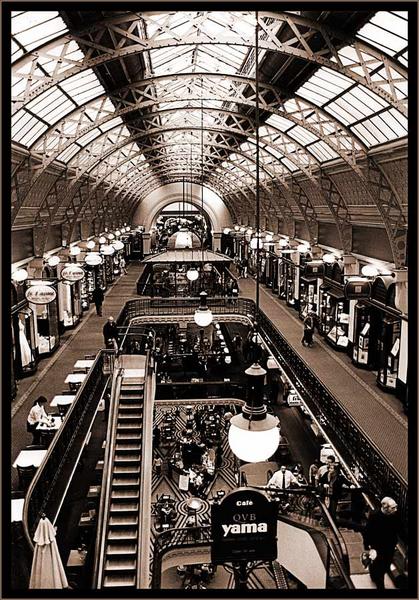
(45, 321)
(69, 303)
(334, 317)
(25, 351)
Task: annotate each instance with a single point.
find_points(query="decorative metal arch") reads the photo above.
(302, 43)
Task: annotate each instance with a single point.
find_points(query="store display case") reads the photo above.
(307, 296)
(108, 268)
(334, 317)
(362, 346)
(389, 348)
(69, 303)
(46, 320)
(287, 281)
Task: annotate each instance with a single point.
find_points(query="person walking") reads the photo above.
(332, 483)
(245, 266)
(308, 331)
(36, 415)
(380, 539)
(123, 265)
(98, 297)
(110, 333)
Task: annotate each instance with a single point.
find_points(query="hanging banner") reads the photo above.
(243, 527)
(40, 294)
(72, 273)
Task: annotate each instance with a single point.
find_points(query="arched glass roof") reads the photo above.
(121, 97)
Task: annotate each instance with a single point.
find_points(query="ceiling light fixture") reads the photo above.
(253, 435)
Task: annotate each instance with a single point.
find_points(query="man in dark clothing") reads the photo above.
(97, 297)
(380, 538)
(110, 333)
(308, 331)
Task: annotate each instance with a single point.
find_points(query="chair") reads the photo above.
(89, 356)
(26, 475)
(47, 437)
(62, 409)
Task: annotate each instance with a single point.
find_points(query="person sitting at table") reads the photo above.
(36, 415)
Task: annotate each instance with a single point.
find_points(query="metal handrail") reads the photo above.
(104, 503)
(381, 476)
(42, 496)
(175, 538)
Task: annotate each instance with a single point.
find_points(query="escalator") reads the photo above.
(123, 530)
(118, 544)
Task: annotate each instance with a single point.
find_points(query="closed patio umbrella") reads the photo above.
(47, 567)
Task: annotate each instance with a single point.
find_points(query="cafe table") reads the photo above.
(26, 458)
(83, 365)
(74, 380)
(17, 509)
(62, 399)
(54, 427)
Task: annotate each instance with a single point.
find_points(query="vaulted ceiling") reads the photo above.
(108, 106)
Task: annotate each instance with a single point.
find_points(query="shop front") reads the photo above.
(23, 336)
(334, 308)
(44, 307)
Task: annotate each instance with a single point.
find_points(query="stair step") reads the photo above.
(122, 548)
(122, 495)
(124, 520)
(126, 580)
(125, 506)
(129, 436)
(127, 469)
(135, 457)
(122, 481)
(130, 407)
(120, 564)
(127, 426)
(129, 417)
(128, 447)
(123, 534)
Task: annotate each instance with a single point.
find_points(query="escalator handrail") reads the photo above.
(104, 504)
(54, 443)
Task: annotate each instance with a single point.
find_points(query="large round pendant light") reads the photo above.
(203, 316)
(20, 275)
(370, 271)
(254, 434)
(192, 274)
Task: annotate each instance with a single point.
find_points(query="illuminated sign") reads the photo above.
(243, 527)
(72, 273)
(40, 294)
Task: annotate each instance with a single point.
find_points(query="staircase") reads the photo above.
(121, 546)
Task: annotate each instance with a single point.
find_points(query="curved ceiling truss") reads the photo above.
(119, 145)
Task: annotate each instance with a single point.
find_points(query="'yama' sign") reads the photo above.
(243, 527)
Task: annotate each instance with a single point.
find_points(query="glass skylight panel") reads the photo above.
(303, 136)
(110, 124)
(68, 154)
(33, 28)
(52, 105)
(22, 125)
(83, 87)
(88, 137)
(322, 151)
(387, 31)
(290, 165)
(17, 51)
(279, 122)
(356, 104)
(324, 85)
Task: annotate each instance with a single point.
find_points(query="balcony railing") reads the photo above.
(51, 480)
(380, 477)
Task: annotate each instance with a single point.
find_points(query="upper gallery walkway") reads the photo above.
(378, 414)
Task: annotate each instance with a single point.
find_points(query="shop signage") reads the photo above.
(357, 288)
(93, 259)
(72, 273)
(293, 400)
(314, 268)
(243, 527)
(40, 294)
